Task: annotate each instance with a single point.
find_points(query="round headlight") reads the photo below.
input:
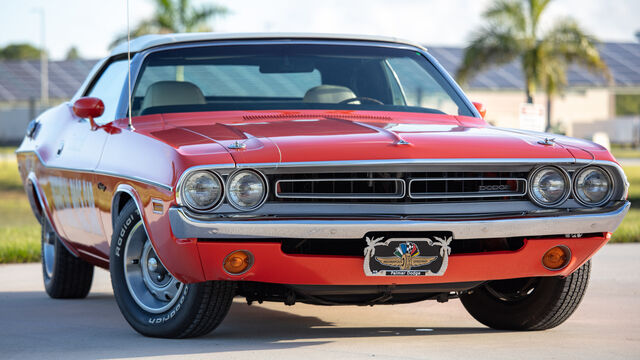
(549, 186)
(593, 186)
(246, 190)
(202, 190)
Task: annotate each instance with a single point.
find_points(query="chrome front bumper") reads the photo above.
(186, 226)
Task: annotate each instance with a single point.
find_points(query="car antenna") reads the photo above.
(129, 67)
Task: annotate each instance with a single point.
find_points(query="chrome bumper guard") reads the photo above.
(185, 226)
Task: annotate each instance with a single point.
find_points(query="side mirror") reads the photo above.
(89, 108)
(481, 109)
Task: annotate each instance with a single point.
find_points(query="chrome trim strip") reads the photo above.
(100, 172)
(398, 195)
(184, 226)
(462, 195)
(479, 161)
(94, 255)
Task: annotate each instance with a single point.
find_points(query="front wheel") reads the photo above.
(528, 303)
(152, 301)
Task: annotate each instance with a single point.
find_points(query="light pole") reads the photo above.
(44, 63)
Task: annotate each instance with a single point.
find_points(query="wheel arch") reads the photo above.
(39, 206)
(121, 196)
(33, 194)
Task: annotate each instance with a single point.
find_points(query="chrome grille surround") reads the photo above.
(399, 186)
(408, 169)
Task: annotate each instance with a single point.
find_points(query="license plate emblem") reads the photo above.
(427, 256)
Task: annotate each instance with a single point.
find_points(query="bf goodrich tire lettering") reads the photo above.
(198, 308)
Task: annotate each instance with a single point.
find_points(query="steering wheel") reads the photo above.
(362, 99)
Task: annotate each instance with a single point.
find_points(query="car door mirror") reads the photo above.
(481, 109)
(89, 108)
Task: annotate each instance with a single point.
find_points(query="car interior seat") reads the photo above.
(167, 93)
(329, 94)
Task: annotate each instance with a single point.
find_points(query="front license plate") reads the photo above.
(396, 256)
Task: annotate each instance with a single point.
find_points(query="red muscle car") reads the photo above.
(322, 169)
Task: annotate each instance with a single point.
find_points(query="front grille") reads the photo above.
(340, 188)
(398, 187)
(441, 188)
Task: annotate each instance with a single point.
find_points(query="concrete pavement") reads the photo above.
(605, 326)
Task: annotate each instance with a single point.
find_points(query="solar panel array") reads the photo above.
(623, 60)
(20, 80)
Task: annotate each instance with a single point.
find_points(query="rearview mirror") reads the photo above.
(481, 109)
(89, 108)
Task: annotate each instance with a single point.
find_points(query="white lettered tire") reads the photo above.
(151, 300)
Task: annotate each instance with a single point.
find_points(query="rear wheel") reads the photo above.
(152, 301)
(527, 303)
(65, 276)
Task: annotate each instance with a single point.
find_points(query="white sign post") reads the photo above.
(532, 117)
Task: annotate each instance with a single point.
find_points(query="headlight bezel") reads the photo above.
(265, 186)
(574, 191)
(567, 181)
(181, 195)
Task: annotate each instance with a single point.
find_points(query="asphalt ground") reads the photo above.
(605, 326)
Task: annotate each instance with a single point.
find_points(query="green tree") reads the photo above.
(175, 16)
(513, 32)
(72, 54)
(21, 51)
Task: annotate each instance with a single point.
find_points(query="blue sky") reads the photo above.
(92, 24)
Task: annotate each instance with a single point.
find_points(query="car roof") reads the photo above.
(148, 41)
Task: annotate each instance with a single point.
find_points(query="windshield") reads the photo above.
(292, 76)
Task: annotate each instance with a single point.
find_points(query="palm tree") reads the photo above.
(513, 32)
(175, 16)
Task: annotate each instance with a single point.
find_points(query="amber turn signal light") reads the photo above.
(556, 258)
(238, 262)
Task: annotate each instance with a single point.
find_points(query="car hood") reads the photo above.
(307, 136)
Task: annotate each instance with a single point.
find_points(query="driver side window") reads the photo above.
(108, 88)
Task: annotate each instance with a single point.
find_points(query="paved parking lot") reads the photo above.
(606, 326)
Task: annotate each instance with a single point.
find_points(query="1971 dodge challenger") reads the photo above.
(323, 169)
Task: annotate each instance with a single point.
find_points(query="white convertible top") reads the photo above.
(148, 41)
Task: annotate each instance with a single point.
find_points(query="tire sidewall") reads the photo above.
(166, 324)
(48, 280)
(525, 314)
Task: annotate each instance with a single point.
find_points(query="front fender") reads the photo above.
(179, 256)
